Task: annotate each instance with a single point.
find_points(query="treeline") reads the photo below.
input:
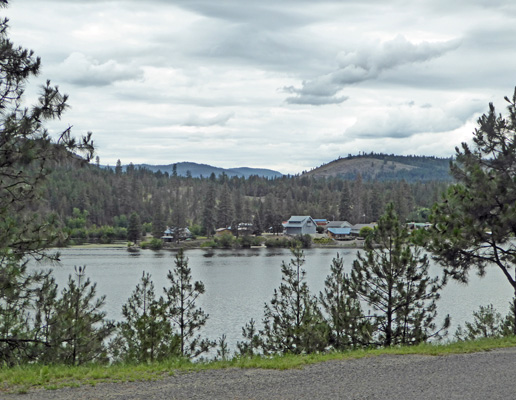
(109, 197)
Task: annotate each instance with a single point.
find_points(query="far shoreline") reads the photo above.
(351, 244)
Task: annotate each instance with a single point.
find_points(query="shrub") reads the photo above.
(153, 244)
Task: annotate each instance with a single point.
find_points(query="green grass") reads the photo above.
(21, 379)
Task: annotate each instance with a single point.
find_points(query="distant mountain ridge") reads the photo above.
(384, 167)
(197, 170)
(380, 167)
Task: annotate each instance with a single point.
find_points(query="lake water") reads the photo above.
(239, 282)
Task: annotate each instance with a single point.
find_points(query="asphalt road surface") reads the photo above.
(486, 375)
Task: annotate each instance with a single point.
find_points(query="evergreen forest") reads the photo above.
(86, 196)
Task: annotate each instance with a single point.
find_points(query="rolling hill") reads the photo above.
(383, 167)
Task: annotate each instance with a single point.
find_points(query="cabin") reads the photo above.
(300, 225)
(340, 233)
(222, 231)
(176, 234)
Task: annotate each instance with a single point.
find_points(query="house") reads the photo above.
(418, 225)
(176, 234)
(222, 231)
(339, 233)
(355, 229)
(300, 225)
(321, 222)
(245, 228)
(338, 224)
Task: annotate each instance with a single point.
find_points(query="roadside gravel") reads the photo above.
(487, 375)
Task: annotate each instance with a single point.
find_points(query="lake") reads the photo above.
(239, 282)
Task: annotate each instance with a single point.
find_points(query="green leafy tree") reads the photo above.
(348, 326)
(27, 153)
(181, 309)
(145, 334)
(392, 277)
(474, 225)
(292, 321)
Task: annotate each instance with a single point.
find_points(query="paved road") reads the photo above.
(487, 375)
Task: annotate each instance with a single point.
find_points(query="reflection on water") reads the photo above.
(239, 283)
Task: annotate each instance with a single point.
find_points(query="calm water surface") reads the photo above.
(239, 282)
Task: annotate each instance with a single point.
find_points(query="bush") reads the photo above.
(225, 240)
(245, 241)
(210, 243)
(279, 242)
(304, 240)
(324, 240)
(153, 244)
(365, 231)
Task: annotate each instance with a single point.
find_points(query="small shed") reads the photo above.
(300, 225)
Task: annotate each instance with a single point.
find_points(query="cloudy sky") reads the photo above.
(287, 85)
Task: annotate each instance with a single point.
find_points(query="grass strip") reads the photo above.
(20, 379)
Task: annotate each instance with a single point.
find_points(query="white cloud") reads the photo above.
(81, 70)
(204, 121)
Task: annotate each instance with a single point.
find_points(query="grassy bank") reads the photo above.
(21, 379)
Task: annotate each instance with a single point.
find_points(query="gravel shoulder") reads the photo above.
(486, 375)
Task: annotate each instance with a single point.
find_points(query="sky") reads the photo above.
(286, 85)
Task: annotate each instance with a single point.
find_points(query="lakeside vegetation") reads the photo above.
(24, 378)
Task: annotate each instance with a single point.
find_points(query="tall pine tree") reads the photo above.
(292, 321)
(393, 278)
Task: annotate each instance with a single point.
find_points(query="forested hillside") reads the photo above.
(108, 197)
(385, 167)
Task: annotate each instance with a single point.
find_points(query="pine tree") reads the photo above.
(225, 208)
(18, 336)
(208, 215)
(134, 230)
(475, 223)
(79, 330)
(292, 321)
(27, 153)
(186, 317)
(348, 326)
(392, 277)
(252, 340)
(145, 334)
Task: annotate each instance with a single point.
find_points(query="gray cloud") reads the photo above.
(366, 64)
